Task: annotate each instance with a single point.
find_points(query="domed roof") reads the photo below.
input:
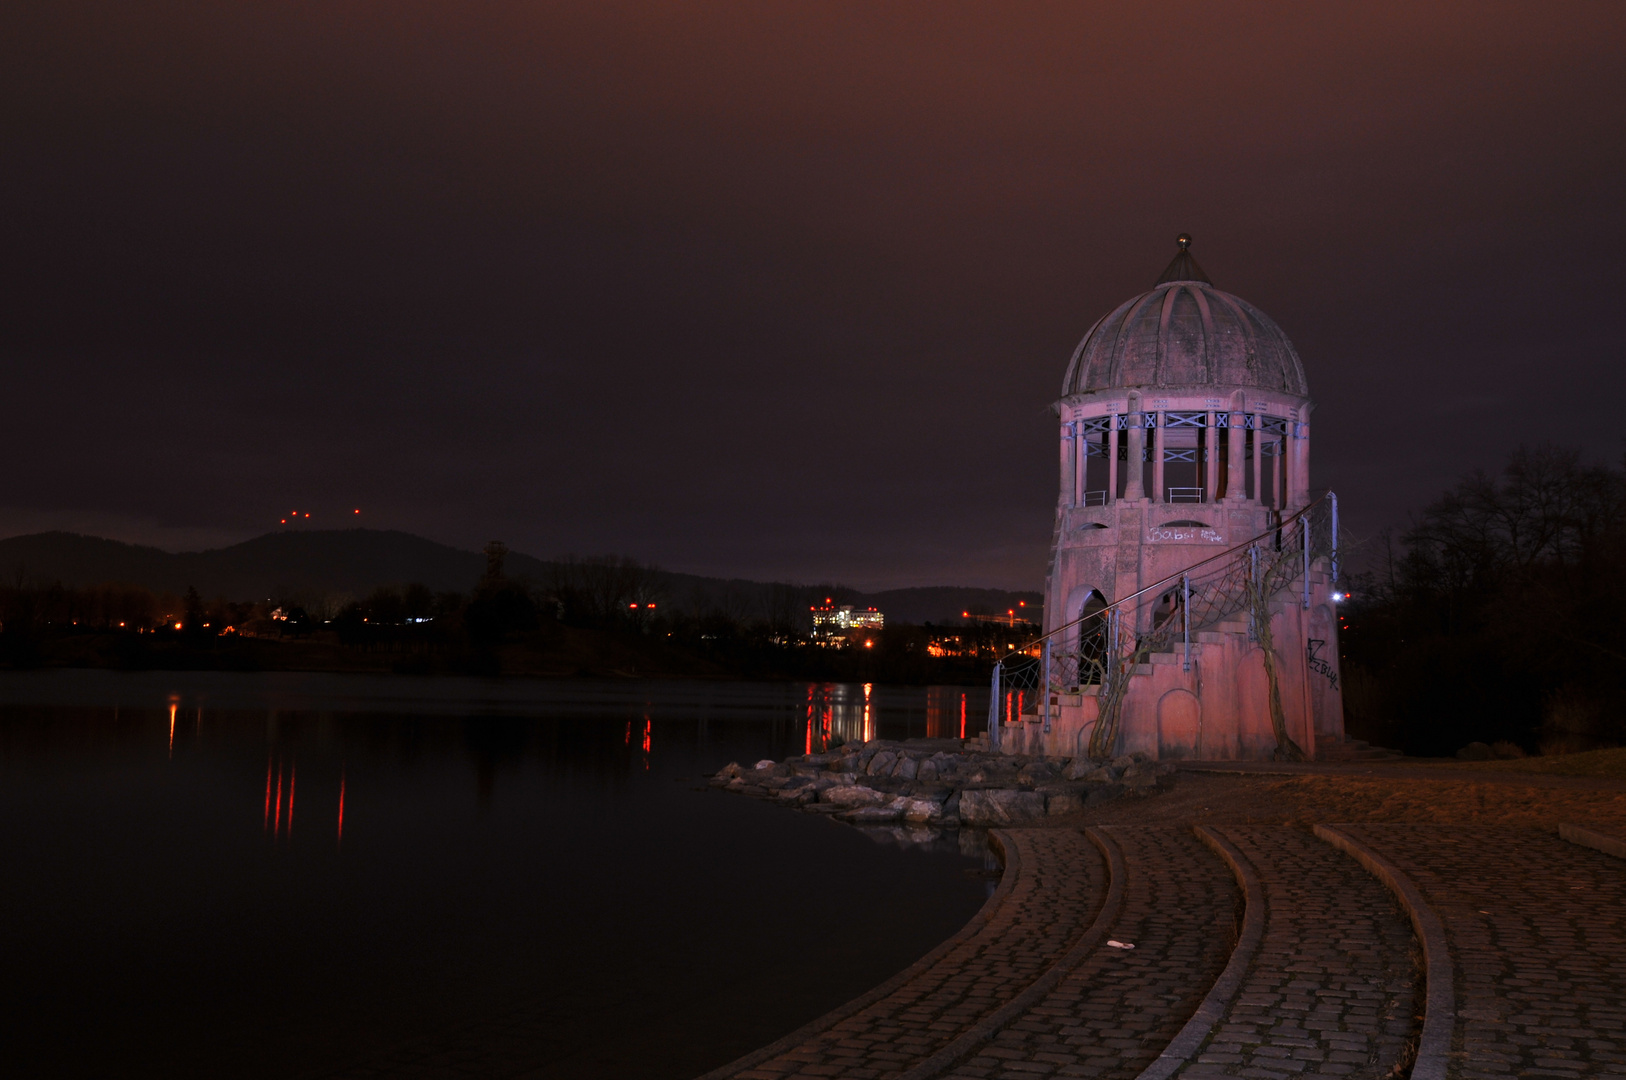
(1185, 332)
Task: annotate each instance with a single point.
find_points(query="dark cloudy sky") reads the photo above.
(769, 289)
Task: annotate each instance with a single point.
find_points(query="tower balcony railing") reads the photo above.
(1094, 498)
(1183, 494)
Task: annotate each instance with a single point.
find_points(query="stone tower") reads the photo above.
(1185, 432)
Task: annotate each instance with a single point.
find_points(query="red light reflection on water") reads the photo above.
(962, 716)
(172, 708)
(341, 806)
(277, 816)
(869, 722)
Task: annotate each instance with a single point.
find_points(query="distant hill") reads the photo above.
(354, 562)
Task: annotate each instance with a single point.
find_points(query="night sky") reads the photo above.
(778, 290)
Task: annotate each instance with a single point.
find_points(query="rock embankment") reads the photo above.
(944, 782)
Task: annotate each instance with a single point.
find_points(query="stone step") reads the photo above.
(1524, 939)
(1113, 1012)
(1231, 968)
(1238, 999)
(1354, 750)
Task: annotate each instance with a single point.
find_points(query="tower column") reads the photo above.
(1236, 453)
(1210, 458)
(1258, 456)
(1158, 492)
(1112, 457)
(1081, 462)
(1135, 488)
(1300, 489)
(1068, 457)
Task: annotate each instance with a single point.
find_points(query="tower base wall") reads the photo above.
(1217, 707)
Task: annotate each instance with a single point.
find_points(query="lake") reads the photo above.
(300, 875)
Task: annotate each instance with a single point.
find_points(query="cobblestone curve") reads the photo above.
(1609, 841)
(1116, 1011)
(1335, 987)
(1059, 884)
(1536, 929)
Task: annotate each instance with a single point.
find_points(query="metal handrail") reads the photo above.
(1110, 669)
(1164, 582)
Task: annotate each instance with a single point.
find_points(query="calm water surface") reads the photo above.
(288, 875)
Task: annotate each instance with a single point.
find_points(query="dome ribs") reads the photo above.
(1210, 334)
(1185, 332)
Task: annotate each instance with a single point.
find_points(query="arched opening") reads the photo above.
(1092, 639)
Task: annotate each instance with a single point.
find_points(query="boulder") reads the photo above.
(1064, 803)
(731, 770)
(1000, 806)
(927, 770)
(1078, 768)
(854, 796)
(907, 768)
(1037, 772)
(871, 815)
(881, 763)
(765, 763)
(1119, 764)
(922, 811)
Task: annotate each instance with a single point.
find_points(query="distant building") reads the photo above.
(832, 621)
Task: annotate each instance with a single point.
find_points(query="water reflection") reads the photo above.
(837, 713)
(517, 868)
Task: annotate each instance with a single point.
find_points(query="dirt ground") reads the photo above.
(1440, 793)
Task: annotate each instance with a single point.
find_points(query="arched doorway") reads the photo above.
(1179, 725)
(1092, 639)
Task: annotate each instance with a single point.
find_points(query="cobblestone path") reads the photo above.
(1537, 935)
(1114, 1013)
(1335, 987)
(1059, 883)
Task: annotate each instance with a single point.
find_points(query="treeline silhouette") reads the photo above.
(1497, 617)
(588, 616)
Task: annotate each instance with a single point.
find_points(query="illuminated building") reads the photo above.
(829, 620)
